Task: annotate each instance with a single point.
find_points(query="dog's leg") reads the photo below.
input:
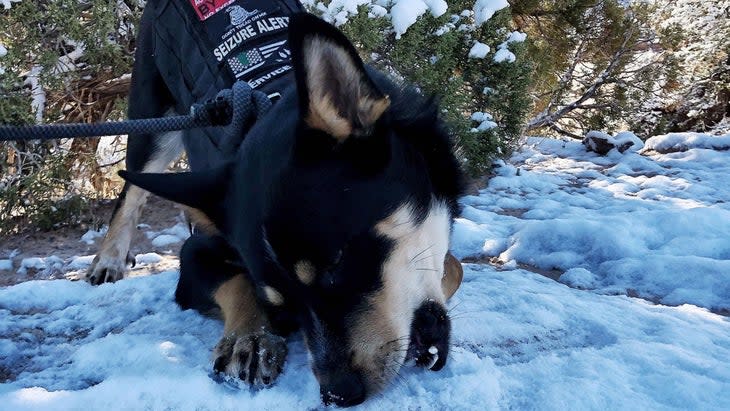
(111, 261)
(248, 350)
(148, 97)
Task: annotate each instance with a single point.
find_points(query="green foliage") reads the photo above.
(39, 190)
(439, 65)
(365, 32)
(44, 185)
(59, 50)
(612, 64)
(44, 34)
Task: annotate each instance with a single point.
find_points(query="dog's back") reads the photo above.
(199, 47)
(187, 51)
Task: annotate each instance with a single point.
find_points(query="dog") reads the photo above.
(333, 217)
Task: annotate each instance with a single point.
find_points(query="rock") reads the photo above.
(602, 143)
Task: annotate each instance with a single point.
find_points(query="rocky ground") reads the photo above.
(62, 253)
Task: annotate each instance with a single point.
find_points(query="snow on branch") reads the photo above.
(7, 4)
(606, 76)
(401, 13)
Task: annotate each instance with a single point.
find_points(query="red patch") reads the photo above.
(207, 8)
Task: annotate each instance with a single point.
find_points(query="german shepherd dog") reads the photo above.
(332, 218)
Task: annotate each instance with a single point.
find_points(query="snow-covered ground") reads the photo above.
(653, 225)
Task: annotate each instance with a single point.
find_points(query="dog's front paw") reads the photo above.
(256, 358)
(108, 269)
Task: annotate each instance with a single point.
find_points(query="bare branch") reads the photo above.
(605, 77)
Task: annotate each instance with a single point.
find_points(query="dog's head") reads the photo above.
(354, 186)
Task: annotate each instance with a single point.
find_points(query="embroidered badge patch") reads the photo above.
(207, 8)
(252, 59)
(249, 36)
(240, 16)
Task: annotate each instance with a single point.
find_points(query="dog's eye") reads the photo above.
(338, 258)
(329, 279)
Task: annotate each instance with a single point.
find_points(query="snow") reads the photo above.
(38, 94)
(516, 37)
(6, 265)
(148, 258)
(485, 9)
(608, 227)
(626, 137)
(67, 62)
(519, 341)
(46, 264)
(504, 55)
(405, 12)
(478, 50)
(175, 234)
(163, 240)
(578, 278)
(80, 262)
(3, 50)
(485, 121)
(111, 150)
(90, 236)
(7, 4)
(377, 11)
(402, 13)
(33, 262)
(656, 226)
(618, 140)
(686, 141)
(436, 7)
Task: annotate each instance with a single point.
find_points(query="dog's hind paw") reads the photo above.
(256, 358)
(106, 269)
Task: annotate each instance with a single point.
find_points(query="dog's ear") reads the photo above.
(201, 190)
(336, 95)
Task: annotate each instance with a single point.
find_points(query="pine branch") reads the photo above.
(602, 79)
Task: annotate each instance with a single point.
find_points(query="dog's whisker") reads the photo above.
(422, 251)
(390, 344)
(456, 305)
(394, 368)
(402, 338)
(411, 221)
(399, 377)
(462, 316)
(423, 258)
(459, 314)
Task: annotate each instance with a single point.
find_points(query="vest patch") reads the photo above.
(250, 37)
(207, 8)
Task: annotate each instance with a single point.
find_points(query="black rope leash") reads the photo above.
(234, 106)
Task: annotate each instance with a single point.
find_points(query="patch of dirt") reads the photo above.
(553, 274)
(474, 184)
(65, 243)
(513, 212)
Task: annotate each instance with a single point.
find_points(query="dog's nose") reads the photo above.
(430, 332)
(344, 390)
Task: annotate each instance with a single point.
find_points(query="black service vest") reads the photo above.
(203, 46)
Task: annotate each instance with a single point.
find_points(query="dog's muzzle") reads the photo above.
(430, 333)
(431, 326)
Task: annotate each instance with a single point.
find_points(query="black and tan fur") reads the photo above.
(334, 219)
